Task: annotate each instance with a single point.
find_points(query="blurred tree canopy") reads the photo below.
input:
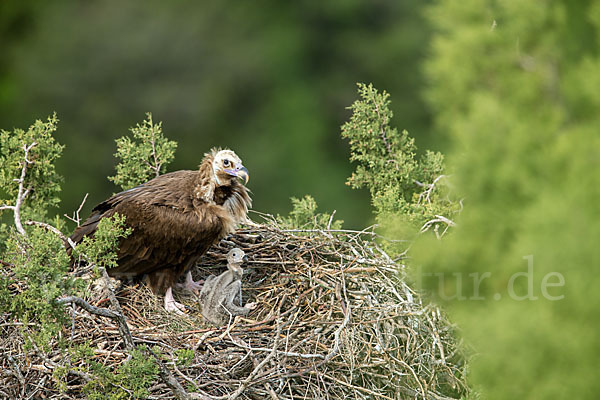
(270, 79)
(514, 86)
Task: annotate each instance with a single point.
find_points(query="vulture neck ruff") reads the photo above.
(230, 193)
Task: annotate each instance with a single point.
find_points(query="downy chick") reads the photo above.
(220, 295)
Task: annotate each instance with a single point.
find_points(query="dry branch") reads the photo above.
(22, 192)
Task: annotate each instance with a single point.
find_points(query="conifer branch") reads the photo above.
(382, 133)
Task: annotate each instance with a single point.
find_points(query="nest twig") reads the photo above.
(335, 319)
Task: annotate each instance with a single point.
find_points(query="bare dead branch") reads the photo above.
(22, 192)
(103, 312)
(53, 230)
(425, 196)
(75, 218)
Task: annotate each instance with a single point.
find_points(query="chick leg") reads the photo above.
(232, 293)
(171, 305)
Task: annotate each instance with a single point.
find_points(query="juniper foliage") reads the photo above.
(34, 268)
(404, 188)
(514, 87)
(100, 250)
(40, 261)
(129, 380)
(34, 262)
(143, 156)
(304, 215)
(33, 177)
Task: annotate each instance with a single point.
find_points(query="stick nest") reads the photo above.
(334, 320)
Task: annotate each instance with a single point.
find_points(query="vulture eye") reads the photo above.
(226, 163)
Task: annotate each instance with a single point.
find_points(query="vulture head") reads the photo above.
(226, 166)
(220, 173)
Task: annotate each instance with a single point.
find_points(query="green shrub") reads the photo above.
(100, 249)
(144, 156)
(304, 215)
(41, 180)
(514, 87)
(34, 271)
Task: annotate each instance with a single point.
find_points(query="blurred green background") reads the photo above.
(269, 79)
(508, 90)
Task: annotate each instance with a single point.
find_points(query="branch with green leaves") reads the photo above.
(27, 171)
(304, 215)
(22, 192)
(35, 282)
(143, 156)
(403, 187)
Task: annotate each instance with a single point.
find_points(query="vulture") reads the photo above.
(175, 218)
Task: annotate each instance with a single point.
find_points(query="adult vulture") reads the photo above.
(175, 218)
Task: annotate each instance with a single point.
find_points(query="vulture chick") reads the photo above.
(175, 218)
(220, 293)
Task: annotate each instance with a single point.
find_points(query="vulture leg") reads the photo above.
(171, 305)
(191, 285)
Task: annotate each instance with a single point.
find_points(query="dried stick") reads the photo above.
(438, 219)
(53, 364)
(122, 323)
(426, 195)
(7, 264)
(168, 378)
(103, 312)
(157, 164)
(75, 217)
(22, 192)
(257, 369)
(125, 333)
(53, 230)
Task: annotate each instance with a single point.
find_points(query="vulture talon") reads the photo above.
(171, 305)
(191, 285)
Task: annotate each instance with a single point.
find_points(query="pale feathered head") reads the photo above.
(227, 165)
(235, 259)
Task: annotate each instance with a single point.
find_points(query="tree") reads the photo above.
(409, 194)
(514, 89)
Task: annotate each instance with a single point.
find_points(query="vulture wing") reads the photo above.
(171, 228)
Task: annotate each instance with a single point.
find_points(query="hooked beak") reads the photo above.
(240, 171)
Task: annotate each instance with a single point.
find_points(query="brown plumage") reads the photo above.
(175, 218)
